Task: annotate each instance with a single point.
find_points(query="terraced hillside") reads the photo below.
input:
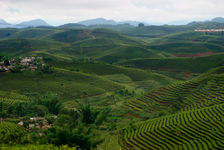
(199, 92)
(196, 121)
(198, 129)
(38, 147)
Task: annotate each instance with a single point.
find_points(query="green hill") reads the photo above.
(71, 35)
(129, 52)
(18, 47)
(12, 33)
(178, 65)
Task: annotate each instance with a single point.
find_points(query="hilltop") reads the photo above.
(33, 23)
(3, 22)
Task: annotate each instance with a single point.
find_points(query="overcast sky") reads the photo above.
(63, 11)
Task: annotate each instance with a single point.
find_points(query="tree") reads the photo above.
(6, 62)
(65, 136)
(46, 69)
(87, 114)
(51, 101)
(40, 110)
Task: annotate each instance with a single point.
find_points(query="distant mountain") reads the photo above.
(33, 23)
(98, 21)
(218, 19)
(3, 22)
(213, 21)
(72, 25)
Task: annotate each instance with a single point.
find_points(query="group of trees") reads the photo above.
(72, 127)
(38, 105)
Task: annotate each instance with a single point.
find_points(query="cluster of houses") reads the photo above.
(25, 63)
(37, 123)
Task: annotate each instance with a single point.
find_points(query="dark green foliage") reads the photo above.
(102, 116)
(40, 105)
(64, 120)
(16, 69)
(40, 110)
(88, 115)
(65, 136)
(45, 69)
(51, 101)
(125, 92)
(72, 115)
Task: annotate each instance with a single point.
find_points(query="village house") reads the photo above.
(31, 125)
(39, 123)
(21, 123)
(33, 119)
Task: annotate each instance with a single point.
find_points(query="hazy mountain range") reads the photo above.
(31, 23)
(90, 22)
